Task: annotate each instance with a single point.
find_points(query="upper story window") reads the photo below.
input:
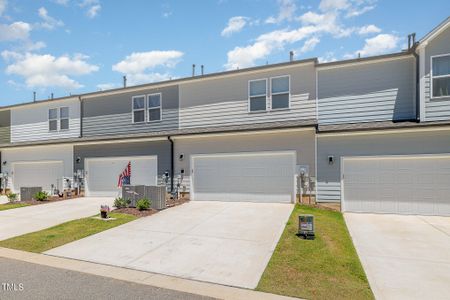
(154, 107)
(58, 119)
(280, 91)
(138, 109)
(257, 94)
(440, 73)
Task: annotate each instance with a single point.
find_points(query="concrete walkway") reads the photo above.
(143, 278)
(405, 257)
(18, 221)
(228, 243)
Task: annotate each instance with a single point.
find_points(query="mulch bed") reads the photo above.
(145, 213)
(51, 200)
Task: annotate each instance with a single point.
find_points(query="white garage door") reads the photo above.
(37, 174)
(400, 185)
(102, 174)
(255, 177)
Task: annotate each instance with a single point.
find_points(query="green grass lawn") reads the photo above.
(325, 268)
(12, 205)
(59, 235)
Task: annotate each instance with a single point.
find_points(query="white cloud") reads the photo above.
(379, 44)
(3, 4)
(328, 57)
(106, 86)
(354, 12)
(353, 8)
(329, 5)
(93, 7)
(48, 21)
(368, 29)
(61, 2)
(286, 12)
(47, 70)
(310, 44)
(15, 31)
(235, 24)
(139, 66)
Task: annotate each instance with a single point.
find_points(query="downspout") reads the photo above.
(171, 163)
(81, 116)
(416, 56)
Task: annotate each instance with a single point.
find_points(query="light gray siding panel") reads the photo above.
(112, 114)
(159, 148)
(236, 112)
(436, 109)
(401, 143)
(367, 92)
(224, 101)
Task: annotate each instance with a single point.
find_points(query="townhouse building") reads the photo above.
(373, 133)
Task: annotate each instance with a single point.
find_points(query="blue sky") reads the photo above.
(76, 46)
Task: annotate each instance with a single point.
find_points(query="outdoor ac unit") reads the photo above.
(27, 193)
(156, 194)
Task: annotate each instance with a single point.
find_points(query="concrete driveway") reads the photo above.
(405, 257)
(228, 243)
(23, 220)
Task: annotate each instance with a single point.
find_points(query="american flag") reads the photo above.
(125, 176)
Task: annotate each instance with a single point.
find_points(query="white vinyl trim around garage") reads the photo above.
(37, 174)
(416, 184)
(252, 177)
(102, 174)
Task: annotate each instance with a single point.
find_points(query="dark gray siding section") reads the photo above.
(401, 143)
(367, 92)
(436, 109)
(112, 114)
(159, 148)
(5, 127)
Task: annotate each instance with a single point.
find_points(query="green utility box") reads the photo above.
(306, 226)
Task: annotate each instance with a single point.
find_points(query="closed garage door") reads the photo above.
(254, 177)
(37, 174)
(102, 174)
(401, 185)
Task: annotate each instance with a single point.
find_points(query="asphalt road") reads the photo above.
(22, 280)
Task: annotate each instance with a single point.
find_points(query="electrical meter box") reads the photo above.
(306, 226)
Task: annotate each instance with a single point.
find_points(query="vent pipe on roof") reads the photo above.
(193, 70)
(203, 68)
(124, 81)
(291, 56)
(413, 38)
(51, 96)
(34, 96)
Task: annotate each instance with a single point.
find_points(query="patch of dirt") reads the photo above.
(135, 212)
(175, 202)
(50, 200)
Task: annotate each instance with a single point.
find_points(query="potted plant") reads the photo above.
(41, 196)
(104, 210)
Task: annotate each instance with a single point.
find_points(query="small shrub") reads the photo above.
(143, 204)
(121, 203)
(12, 197)
(41, 196)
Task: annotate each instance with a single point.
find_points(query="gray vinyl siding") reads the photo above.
(366, 92)
(112, 114)
(224, 101)
(159, 148)
(436, 109)
(401, 143)
(5, 127)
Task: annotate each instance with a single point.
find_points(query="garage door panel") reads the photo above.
(38, 174)
(244, 177)
(103, 173)
(405, 185)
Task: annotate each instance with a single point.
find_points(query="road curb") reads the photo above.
(140, 277)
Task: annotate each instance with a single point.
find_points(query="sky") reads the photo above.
(64, 47)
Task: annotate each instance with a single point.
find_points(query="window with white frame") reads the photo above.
(64, 118)
(138, 109)
(280, 92)
(257, 94)
(53, 119)
(154, 107)
(440, 81)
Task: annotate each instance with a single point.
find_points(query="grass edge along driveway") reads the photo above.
(325, 268)
(46, 239)
(7, 206)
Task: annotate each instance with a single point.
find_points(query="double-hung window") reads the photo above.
(53, 119)
(138, 109)
(280, 92)
(64, 118)
(257, 94)
(440, 76)
(154, 107)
